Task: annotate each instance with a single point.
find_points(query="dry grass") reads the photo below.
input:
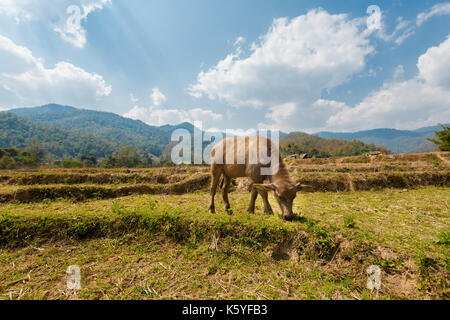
(390, 211)
(81, 192)
(398, 231)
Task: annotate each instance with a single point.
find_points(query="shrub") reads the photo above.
(68, 164)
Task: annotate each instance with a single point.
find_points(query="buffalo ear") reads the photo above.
(266, 187)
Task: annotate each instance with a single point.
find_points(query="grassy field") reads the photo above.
(155, 240)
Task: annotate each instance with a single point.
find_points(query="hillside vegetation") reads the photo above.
(17, 132)
(71, 134)
(117, 130)
(314, 146)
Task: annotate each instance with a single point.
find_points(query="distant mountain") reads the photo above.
(429, 129)
(19, 132)
(115, 131)
(66, 131)
(185, 125)
(398, 141)
(110, 126)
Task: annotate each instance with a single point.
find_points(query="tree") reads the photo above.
(70, 164)
(89, 162)
(7, 162)
(442, 138)
(35, 152)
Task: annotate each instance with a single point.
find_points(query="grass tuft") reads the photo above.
(444, 238)
(349, 221)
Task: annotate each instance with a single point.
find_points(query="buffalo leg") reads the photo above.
(265, 197)
(226, 188)
(251, 207)
(215, 179)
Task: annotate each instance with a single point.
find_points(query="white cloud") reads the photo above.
(67, 23)
(420, 101)
(157, 116)
(285, 74)
(158, 97)
(239, 40)
(279, 115)
(16, 9)
(27, 77)
(133, 99)
(293, 63)
(403, 30)
(406, 29)
(15, 58)
(398, 72)
(434, 65)
(289, 63)
(437, 10)
(72, 31)
(203, 114)
(238, 132)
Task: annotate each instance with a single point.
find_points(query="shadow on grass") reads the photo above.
(300, 219)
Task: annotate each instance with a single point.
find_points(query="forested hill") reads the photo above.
(68, 132)
(314, 146)
(104, 125)
(18, 132)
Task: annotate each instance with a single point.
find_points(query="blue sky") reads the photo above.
(291, 65)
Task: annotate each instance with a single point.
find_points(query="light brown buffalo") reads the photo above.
(224, 162)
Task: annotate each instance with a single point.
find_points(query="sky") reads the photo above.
(240, 65)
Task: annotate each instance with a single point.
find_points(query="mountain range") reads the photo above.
(398, 141)
(65, 131)
(68, 132)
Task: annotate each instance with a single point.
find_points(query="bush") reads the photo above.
(7, 162)
(442, 138)
(68, 164)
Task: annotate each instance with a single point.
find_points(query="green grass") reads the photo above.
(349, 221)
(157, 269)
(444, 237)
(168, 246)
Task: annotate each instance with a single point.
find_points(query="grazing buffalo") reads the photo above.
(240, 157)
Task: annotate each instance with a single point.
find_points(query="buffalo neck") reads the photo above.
(282, 174)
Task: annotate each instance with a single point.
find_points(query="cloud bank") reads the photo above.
(285, 74)
(156, 115)
(66, 17)
(420, 101)
(288, 70)
(32, 82)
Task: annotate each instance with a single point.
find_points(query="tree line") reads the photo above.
(128, 157)
(34, 156)
(317, 147)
